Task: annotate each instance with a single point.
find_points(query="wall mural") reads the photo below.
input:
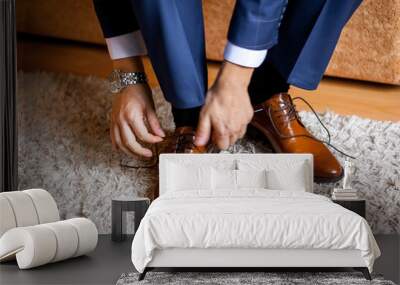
(64, 147)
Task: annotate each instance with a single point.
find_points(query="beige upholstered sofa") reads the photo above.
(369, 48)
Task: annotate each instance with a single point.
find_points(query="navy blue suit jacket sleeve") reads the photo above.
(116, 17)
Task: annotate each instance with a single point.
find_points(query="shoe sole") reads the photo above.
(255, 130)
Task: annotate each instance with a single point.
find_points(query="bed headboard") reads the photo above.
(231, 161)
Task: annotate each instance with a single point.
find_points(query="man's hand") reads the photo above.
(133, 117)
(227, 110)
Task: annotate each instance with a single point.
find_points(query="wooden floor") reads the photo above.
(349, 97)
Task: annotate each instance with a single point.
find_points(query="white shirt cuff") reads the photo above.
(126, 45)
(243, 56)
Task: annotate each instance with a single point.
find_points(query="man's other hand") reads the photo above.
(227, 110)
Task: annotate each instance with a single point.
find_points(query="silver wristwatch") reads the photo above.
(119, 79)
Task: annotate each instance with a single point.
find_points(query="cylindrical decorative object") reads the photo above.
(41, 244)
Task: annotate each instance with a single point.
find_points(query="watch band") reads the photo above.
(119, 79)
(132, 78)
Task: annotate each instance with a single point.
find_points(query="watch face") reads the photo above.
(115, 82)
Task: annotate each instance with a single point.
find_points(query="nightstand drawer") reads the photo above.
(357, 206)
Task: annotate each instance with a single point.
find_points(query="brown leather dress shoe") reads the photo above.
(278, 121)
(183, 142)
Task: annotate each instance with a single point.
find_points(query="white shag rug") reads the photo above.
(64, 147)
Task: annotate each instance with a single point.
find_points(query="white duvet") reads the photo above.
(250, 218)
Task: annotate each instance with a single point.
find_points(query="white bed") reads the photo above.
(200, 223)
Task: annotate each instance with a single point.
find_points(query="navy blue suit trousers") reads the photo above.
(300, 36)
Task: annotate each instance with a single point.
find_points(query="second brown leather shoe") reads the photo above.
(182, 141)
(278, 121)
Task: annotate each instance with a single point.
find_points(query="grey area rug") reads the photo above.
(239, 278)
(64, 147)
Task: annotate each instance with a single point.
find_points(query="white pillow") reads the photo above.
(223, 179)
(289, 175)
(293, 178)
(251, 178)
(188, 177)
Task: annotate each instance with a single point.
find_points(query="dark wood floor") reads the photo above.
(102, 266)
(110, 260)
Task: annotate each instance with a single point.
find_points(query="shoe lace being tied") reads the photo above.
(185, 141)
(181, 141)
(292, 114)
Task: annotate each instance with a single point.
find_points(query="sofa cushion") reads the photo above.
(27, 208)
